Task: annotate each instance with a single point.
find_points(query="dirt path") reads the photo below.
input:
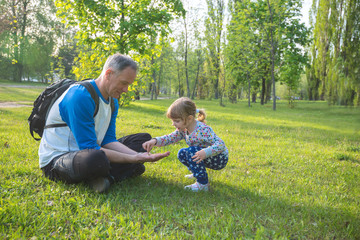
(29, 104)
(20, 86)
(14, 104)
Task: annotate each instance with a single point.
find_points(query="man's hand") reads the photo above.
(199, 156)
(148, 157)
(149, 145)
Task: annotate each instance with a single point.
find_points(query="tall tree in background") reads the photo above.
(265, 39)
(29, 31)
(333, 72)
(241, 45)
(214, 29)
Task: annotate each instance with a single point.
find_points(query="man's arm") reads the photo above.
(119, 147)
(119, 153)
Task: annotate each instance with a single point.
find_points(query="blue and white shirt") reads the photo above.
(76, 108)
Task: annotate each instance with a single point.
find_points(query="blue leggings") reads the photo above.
(199, 170)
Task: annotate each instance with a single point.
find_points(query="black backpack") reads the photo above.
(46, 99)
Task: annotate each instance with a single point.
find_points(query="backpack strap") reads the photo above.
(93, 94)
(89, 87)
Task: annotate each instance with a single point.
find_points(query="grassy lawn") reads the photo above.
(27, 93)
(292, 174)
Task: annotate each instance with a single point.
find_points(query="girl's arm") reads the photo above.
(170, 139)
(163, 141)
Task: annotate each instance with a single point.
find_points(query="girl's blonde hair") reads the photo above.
(184, 107)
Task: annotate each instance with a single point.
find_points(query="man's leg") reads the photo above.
(127, 170)
(84, 165)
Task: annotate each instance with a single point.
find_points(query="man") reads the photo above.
(86, 150)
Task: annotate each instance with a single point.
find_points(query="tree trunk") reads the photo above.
(186, 63)
(16, 70)
(272, 58)
(22, 38)
(179, 80)
(249, 89)
(153, 88)
(196, 80)
(263, 88)
(159, 78)
(253, 97)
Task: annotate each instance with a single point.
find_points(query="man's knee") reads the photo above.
(80, 166)
(91, 163)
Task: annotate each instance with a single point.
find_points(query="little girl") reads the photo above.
(206, 149)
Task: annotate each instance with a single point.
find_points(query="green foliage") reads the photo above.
(108, 27)
(28, 38)
(333, 75)
(292, 173)
(250, 45)
(213, 34)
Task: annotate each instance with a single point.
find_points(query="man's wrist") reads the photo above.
(137, 158)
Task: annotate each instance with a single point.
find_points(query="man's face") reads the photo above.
(119, 82)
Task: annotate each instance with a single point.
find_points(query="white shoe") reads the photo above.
(196, 187)
(190, 176)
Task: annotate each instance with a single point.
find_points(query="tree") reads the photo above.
(333, 72)
(265, 39)
(214, 29)
(25, 25)
(107, 27)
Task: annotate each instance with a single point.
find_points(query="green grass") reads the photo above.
(292, 174)
(25, 94)
(24, 83)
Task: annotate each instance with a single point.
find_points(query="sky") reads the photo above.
(201, 5)
(200, 13)
(305, 12)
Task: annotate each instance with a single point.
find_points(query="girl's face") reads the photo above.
(179, 123)
(182, 124)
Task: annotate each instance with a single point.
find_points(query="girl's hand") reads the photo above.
(149, 144)
(199, 156)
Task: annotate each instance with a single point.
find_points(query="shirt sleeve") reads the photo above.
(77, 110)
(170, 138)
(217, 145)
(110, 135)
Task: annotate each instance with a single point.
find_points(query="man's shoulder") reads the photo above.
(79, 90)
(77, 97)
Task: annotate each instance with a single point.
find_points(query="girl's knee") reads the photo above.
(189, 151)
(182, 154)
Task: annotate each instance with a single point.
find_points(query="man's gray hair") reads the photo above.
(119, 62)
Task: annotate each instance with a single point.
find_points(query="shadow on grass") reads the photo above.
(308, 133)
(238, 212)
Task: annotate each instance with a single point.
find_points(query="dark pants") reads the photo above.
(89, 164)
(216, 162)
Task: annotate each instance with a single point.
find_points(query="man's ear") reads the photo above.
(108, 73)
